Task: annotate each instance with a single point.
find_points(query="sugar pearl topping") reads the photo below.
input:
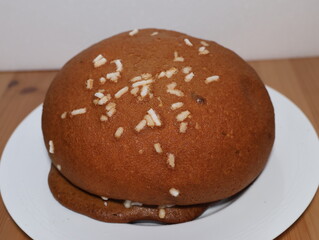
(171, 90)
(110, 109)
(174, 192)
(119, 132)
(178, 58)
(89, 83)
(172, 85)
(119, 65)
(145, 90)
(51, 147)
(171, 72)
(182, 116)
(110, 106)
(189, 77)
(63, 115)
(99, 57)
(160, 102)
(111, 112)
(99, 61)
(103, 118)
(121, 92)
(133, 32)
(162, 74)
(154, 117)
(136, 204)
(137, 78)
(158, 148)
(171, 160)
(78, 111)
(104, 99)
(105, 199)
(177, 105)
(183, 127)
(129, 204)
(186, 70)
(187, 42)
(58, 166)
(149, 120)
(146, 75)
(140, 125)
(212, 79)
(204, 43)
(113, 76)
(161, 213)
(102, 80)
(134, 91)
(203, 51)
(154, 33)
(176, 92)
(99, 95)
(143, 82)
(168, 73)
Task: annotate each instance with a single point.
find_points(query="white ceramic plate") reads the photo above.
(268, 207)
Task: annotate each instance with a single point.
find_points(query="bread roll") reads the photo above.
(158, 117)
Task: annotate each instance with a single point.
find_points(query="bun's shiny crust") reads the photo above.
(229, 135)
(114, 211)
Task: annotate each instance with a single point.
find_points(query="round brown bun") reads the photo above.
(110, 210)
(158, 117)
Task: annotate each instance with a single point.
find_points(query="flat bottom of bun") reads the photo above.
(114, 211)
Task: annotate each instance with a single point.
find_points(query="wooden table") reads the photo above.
(298, 79)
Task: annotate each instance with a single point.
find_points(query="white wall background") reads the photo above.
(43, 34)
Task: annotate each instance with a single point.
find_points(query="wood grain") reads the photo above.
(298, 79)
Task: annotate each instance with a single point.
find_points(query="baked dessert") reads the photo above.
(155, 124)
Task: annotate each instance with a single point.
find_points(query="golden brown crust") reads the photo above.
(114, 211)
(228, 138)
